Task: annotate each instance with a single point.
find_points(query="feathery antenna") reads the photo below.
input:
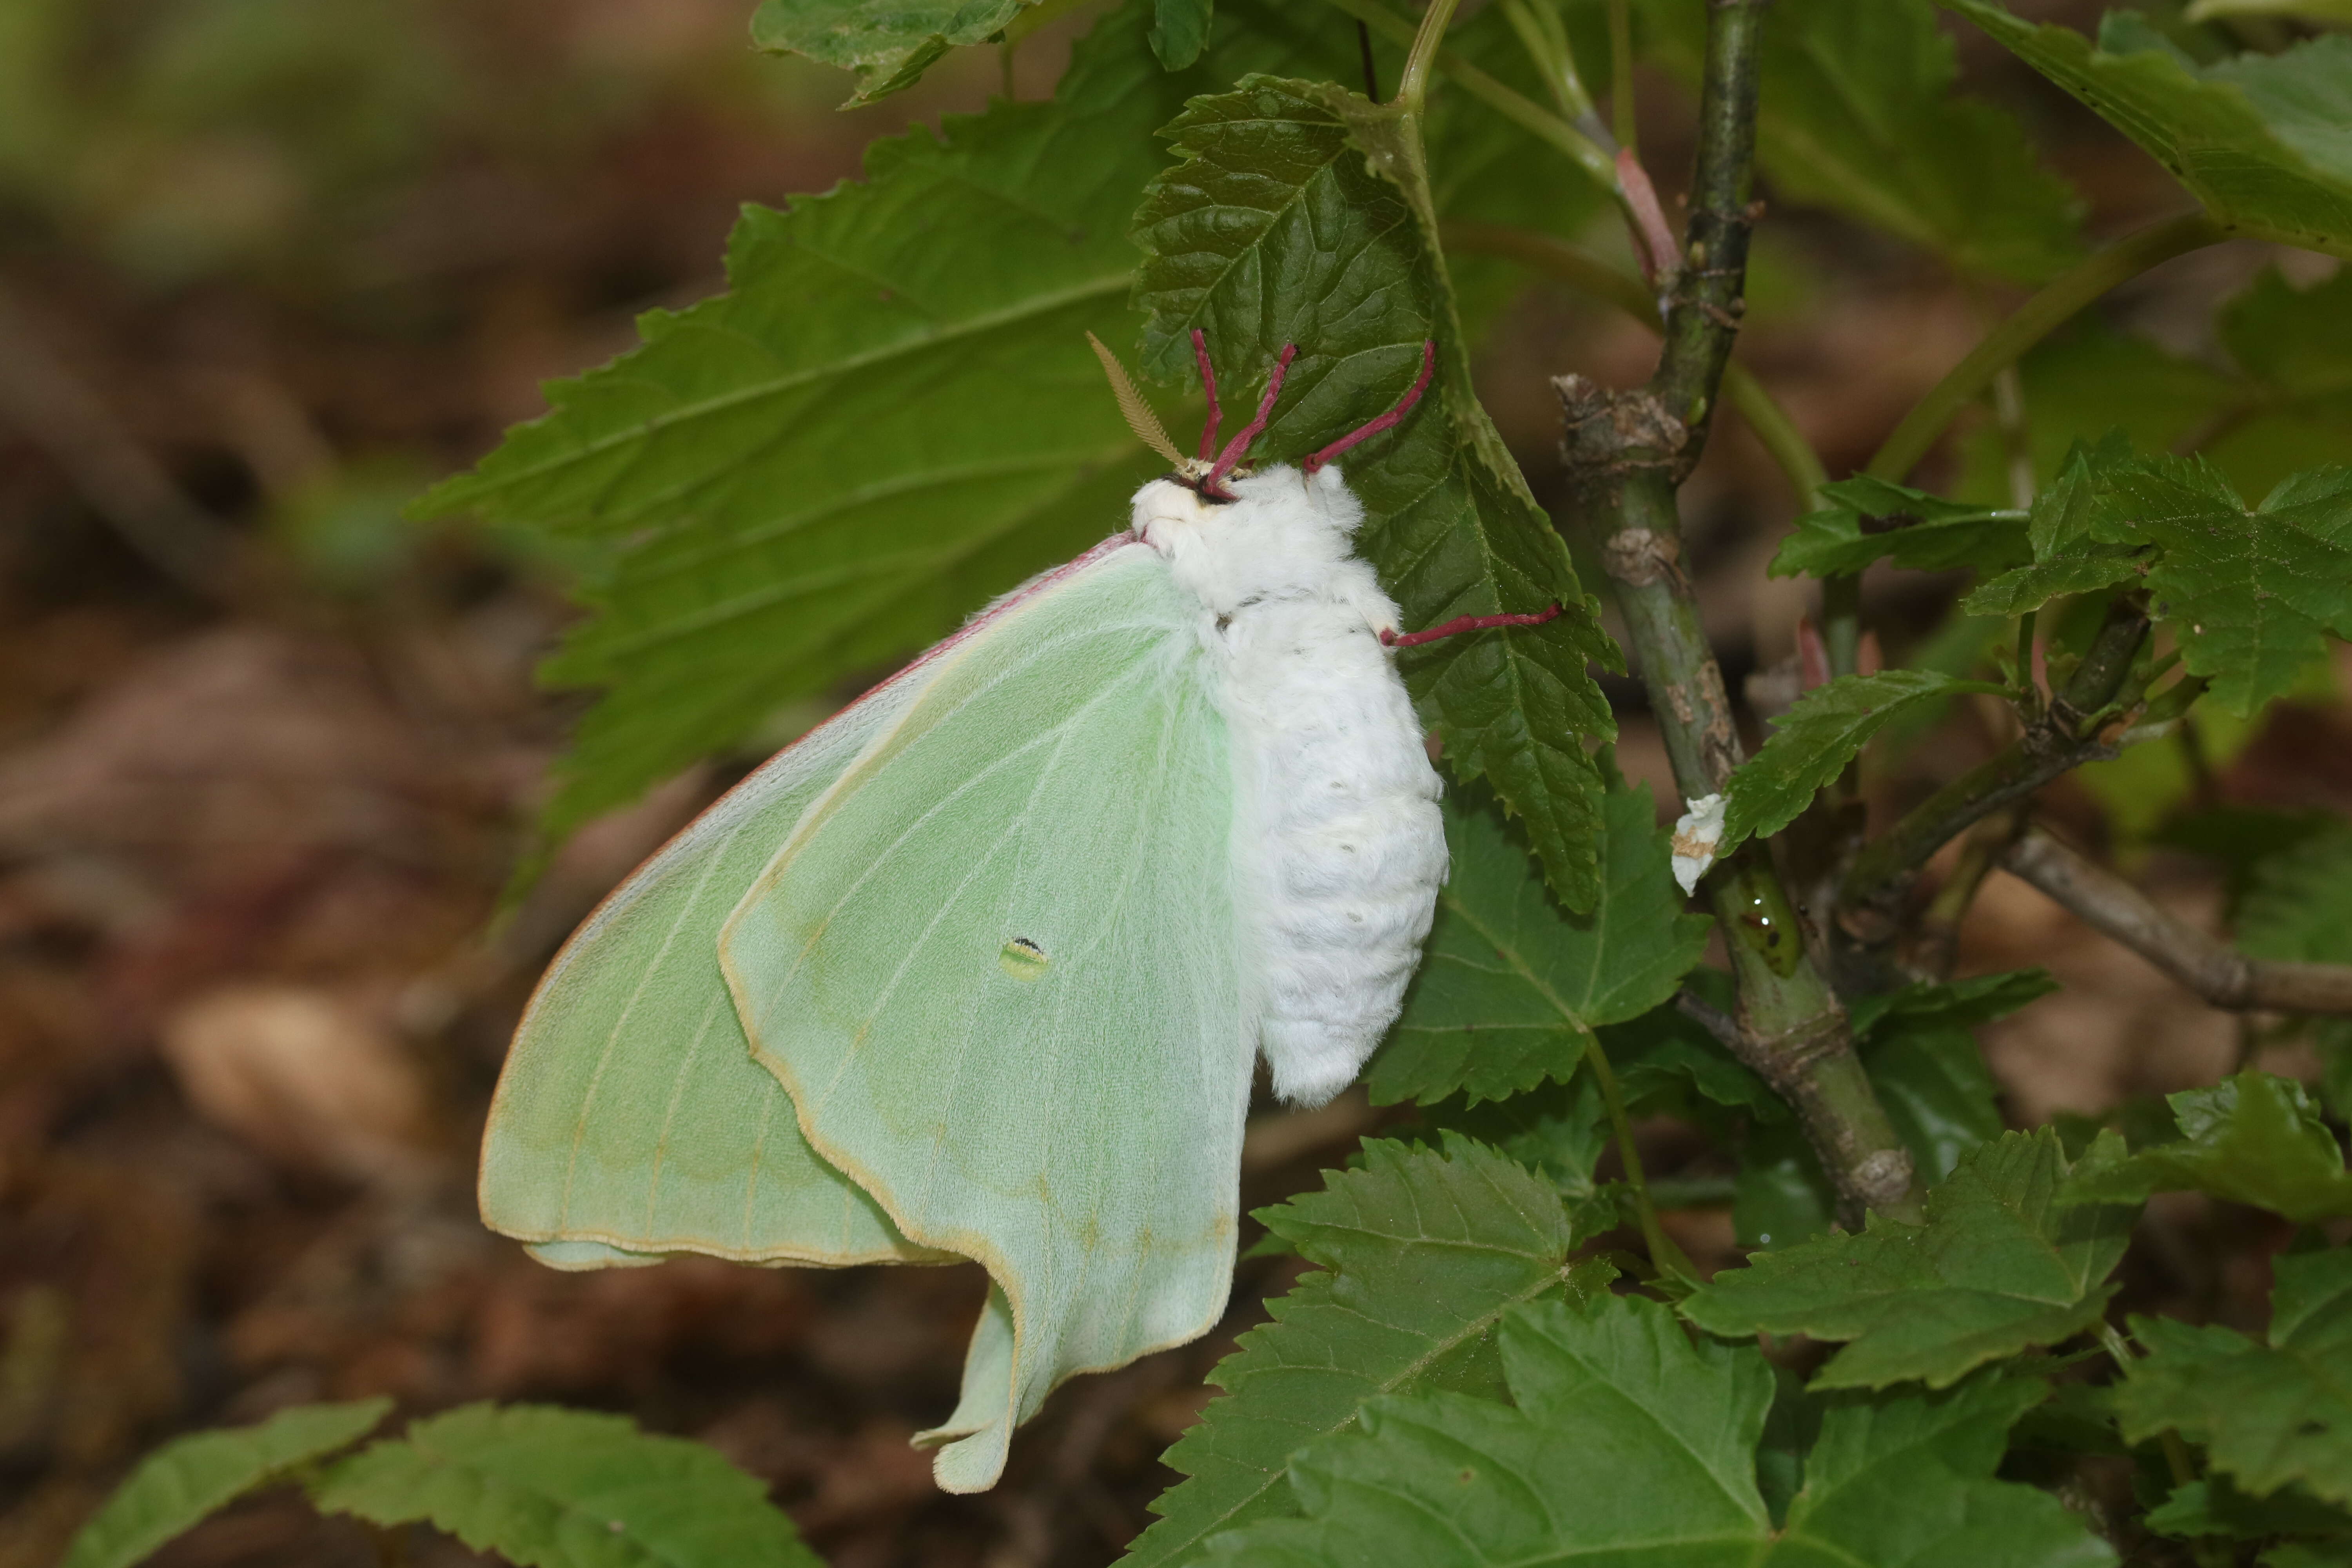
(1132, 406)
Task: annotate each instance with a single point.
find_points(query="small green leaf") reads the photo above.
(545, 1487)
(2249, 594)
(1276, 229)
(2270, 1413)
(1512, 987)
(1908, 1479)
(1666, 1050)
(1559, 1129)
(1423, 1252)
(2254, 1138)
(2001, 1264)
(190, 1478)
(1873, 518)
(2298, 901)
(2258, 139)
(2297, 908)
(2024, 588)
(1179, 30)
(1858, 115)
(2217, 1507)
(1626, 1443)
(1812, 743)
(889, 43)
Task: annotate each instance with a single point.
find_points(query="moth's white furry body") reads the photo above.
(1339, 851)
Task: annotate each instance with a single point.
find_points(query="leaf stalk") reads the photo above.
(2065, 736)
(2028, 325)
(1664, 1253)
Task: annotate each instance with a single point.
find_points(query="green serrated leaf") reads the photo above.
(889, 43)
(2268, 1412)
(2249, 593)
(2254, 1138)
(1936, 1453)
(2217, 1508)
(545, 1487)
(1179, 30)
(1873, 518)
(1275, 228)
(1858, 115)
(1558, 1129)
(2001, 1264)
(1659, 1434)
(2258, 139)
(2030, 587)
(873, 432)
(1812, 743)
(1626, 1443)
(2297, 906)
(190, 1478)
(2285, 338)
(1666, 1050)
(1422, 1254)
(1958, 1004)
(1511, 986)
(2308, 1554)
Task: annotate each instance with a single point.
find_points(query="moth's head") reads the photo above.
(1278, 508)
(1217, 478)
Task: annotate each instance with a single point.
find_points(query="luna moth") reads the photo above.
(979, 968)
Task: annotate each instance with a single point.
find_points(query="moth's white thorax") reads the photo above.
(1339, 851)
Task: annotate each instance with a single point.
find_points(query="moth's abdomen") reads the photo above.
(1338, 848)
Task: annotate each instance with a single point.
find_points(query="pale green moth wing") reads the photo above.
(996, 968)
(631, 1121)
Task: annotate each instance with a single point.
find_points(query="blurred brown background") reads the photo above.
(267, 752)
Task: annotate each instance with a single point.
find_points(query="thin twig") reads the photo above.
(1668, 1258)
(1935, 944)
(1588, 274)
(2211, 968)
(2066, 735)
(1707, 1016)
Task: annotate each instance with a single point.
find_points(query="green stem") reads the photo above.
(1413, 87)
(1842, 622)
(1620, 72)
(1546, 43)
(1512, 105)
(1669, 1257)
(2028, 325)
(1782, 441)
(1588, 274)
(2065, 737)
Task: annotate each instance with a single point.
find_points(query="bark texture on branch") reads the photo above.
(1626, 452)
(2203, 963)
